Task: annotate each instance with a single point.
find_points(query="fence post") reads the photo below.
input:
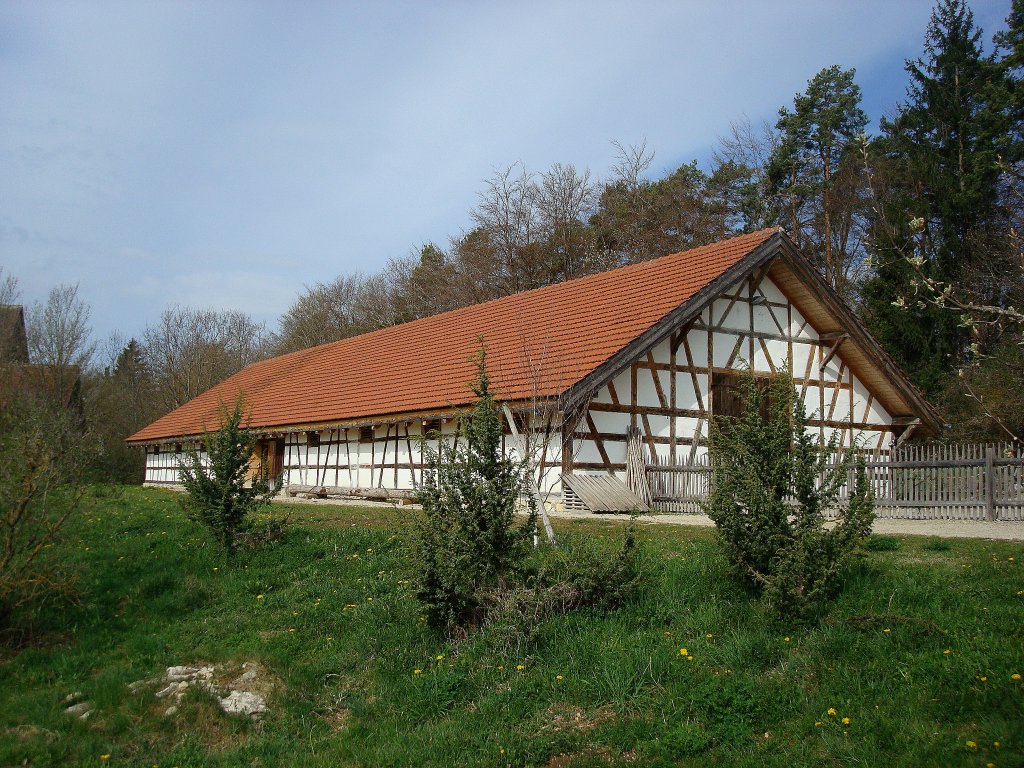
(990, 483)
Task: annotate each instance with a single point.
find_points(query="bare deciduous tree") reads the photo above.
(59, 339)
(190, 350)
(325, 312)
(746, 149)
(9, 291)
(565, 201)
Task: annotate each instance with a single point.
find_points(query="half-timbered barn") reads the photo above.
(632, 362)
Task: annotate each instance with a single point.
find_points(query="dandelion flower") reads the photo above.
(417, 671)
(946, 652)
(689, 658)
(785, 639)
(995, 744)
(832, 712)
(709, 636)
(558, 677)
(983, 679)
(887, 630)
(971, 744)
(1015, 676)
(520, 667)
(440, 656)
(683, 652)
(259, 597)
(846, 721)
(817, 724)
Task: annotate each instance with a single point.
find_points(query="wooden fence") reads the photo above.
(917, 482)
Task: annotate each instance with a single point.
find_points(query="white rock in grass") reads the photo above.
(243, 703)
(181, 673)
(81, 710)
(168, 691)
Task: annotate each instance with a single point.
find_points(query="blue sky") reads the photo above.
(224, 154)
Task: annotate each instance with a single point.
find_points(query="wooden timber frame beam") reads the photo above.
(778, 246)
(837, 340)
(910, 423)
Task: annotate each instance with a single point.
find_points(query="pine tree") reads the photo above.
(937, 208)
(815, 172)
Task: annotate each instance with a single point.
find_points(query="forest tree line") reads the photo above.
(917, 226)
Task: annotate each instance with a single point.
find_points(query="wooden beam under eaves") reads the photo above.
(837, 340)
(905, 421)
(912, 424)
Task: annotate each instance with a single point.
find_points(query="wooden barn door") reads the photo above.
(271, 458)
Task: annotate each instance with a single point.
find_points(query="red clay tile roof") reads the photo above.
(539, 343)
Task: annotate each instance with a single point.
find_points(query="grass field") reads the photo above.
(917, 659)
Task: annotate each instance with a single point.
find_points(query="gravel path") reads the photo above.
(948, 529)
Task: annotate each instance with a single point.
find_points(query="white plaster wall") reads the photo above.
(610, 422)
(162, 467)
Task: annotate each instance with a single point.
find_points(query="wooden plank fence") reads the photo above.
(919, 482)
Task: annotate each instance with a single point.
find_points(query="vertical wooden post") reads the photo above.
(990, 483)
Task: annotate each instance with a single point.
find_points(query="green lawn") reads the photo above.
(918, 653)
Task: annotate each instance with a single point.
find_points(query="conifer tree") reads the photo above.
(937, 208)
(219, 491)
(771, 487)
(467, 542)
(814, 172)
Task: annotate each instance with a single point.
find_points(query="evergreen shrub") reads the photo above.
(475, 560)
(219, 493)
(772, 484)
(467, 540)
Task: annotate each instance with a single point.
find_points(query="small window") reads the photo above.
(366, 434)
(431, 427)
(156, 450)
(177, 447)
(313, 439)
